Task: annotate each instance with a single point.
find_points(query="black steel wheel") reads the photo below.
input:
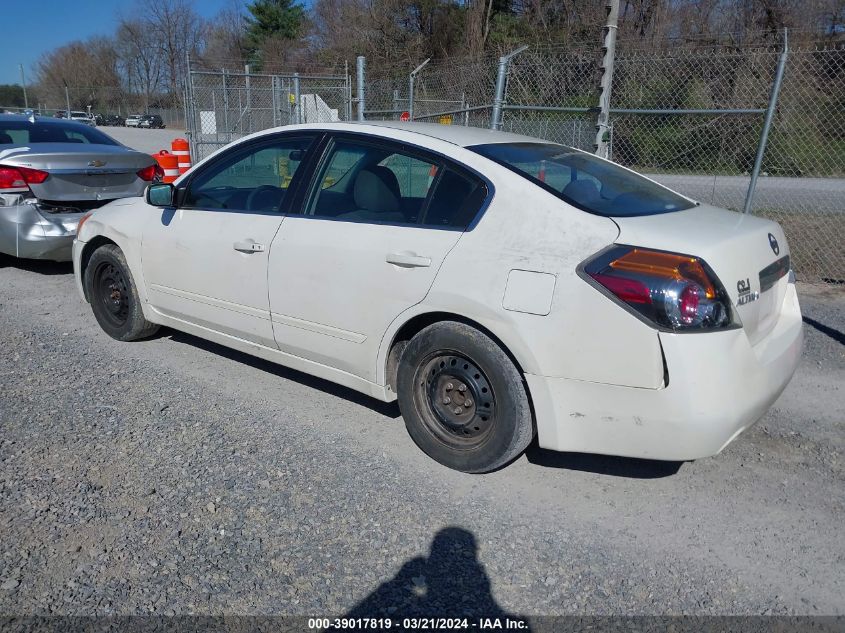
(113, 296)
(463, 399)
(457, 400)
(112, 292)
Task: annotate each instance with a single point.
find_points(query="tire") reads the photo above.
(114, 296)
(463, 399)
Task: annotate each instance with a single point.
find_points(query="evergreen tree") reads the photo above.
(273, 20)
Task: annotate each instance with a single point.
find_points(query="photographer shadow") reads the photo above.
(450, 583)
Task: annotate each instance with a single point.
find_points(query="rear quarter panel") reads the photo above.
(584, 335)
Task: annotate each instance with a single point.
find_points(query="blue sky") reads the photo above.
(33, 28)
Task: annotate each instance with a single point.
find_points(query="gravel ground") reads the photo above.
(149, 141)
(174, 476)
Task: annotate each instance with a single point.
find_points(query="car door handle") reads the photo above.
(248, 246)
(408, 260)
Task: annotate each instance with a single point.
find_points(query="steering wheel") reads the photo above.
(254, 199)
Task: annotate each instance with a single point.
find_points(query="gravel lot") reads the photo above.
(174, 476)
(149, 141)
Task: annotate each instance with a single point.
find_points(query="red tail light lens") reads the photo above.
(673, 291)
(19, 178)
(151, 172)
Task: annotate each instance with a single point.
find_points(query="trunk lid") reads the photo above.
(84, 171)
(749, 255)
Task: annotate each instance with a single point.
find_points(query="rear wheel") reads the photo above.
(463, 399)
(114, 297)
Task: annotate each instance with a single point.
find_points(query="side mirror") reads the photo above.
(160, 194)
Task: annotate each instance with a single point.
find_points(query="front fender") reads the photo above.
(121, 222)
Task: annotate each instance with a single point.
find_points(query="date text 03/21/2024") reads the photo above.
(421, 624)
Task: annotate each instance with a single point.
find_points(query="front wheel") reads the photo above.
(114, 297)
(463, 399)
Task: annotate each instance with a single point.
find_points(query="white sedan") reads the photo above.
(500, 286)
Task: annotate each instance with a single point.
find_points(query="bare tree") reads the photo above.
(139, 59)
(176, 31)
(89, 69)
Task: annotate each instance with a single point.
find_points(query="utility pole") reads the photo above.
(609, 46)
(23, 84)
(67, 99)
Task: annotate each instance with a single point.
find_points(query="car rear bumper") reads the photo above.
(719, 385)
(26, 232)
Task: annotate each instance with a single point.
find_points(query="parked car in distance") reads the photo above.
(152, 121)
(51, 172)
(113, 120)
(82, 117)
(501, 287)
(133, 120)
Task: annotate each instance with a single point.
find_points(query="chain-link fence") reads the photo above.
(223, 106)
(691, 117)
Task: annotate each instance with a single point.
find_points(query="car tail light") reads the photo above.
(151, 172)
(670, 290)
(16, 179)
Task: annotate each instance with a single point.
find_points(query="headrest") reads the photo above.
(376, 191)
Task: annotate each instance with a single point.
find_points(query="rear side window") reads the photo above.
(456, 201)
(373, 183)
(585, 181)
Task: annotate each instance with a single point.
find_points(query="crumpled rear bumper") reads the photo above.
(27, 232)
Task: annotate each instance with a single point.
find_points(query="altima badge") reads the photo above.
(743, 288)
(101, 163)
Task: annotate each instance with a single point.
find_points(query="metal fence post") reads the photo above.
(499, 98)
(501, 82)
(226, 108)
(248, 97)
(606, 84)
(297, 106)
(767, 124)
(274, 100)
(411, 79)
(347, 89)
(360, 70)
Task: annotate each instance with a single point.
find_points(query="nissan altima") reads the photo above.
(500, 287)
(51, 172)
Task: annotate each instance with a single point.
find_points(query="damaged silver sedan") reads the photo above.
(52, 172)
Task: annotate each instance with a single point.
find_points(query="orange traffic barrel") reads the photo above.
(169, 163)
(182, 150)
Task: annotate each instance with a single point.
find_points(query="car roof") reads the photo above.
(455, 134)
(41, 120)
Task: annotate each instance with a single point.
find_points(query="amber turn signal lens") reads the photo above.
(666, 266)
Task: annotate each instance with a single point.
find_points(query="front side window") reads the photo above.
(585, 181)
(372, 183)
(251, 179)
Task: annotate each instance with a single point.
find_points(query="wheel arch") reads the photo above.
(91, 246)
(418, 322)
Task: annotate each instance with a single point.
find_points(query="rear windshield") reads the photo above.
(50, 131)
(585, 181)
